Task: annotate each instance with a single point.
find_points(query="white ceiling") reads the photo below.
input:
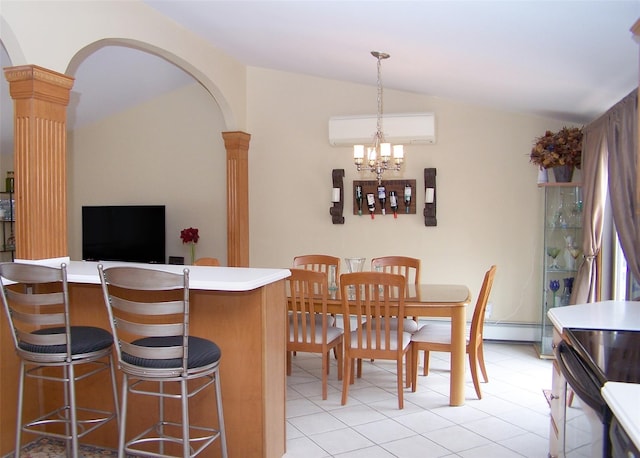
(570, 60)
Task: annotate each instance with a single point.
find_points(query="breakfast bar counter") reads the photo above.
(243, 310)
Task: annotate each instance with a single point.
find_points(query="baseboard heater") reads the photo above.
(499, 330)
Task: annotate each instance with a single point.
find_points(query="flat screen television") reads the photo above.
(133, 233)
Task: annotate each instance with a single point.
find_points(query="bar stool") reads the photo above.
(149, 315)
(36, 301)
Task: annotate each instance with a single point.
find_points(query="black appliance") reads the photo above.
(588, 358)
(134, 233)
(621, 444)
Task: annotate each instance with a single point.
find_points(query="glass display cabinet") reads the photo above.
(7, 221)
(561, 254)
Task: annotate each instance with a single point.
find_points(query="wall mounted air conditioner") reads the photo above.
(406, 128)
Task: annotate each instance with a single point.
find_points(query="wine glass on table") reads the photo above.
(354, 265)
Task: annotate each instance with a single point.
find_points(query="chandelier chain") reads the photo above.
(379, 154)
(379, 133)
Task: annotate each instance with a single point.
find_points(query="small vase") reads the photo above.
(543, 175)
(563, 173)
(193, 253)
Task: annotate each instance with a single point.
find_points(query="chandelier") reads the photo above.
(379, 153)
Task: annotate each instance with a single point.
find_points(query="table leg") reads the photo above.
(458, 344)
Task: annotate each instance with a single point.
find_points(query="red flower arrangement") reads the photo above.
(190, 236)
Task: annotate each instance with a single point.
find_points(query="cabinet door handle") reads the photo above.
(553, 396)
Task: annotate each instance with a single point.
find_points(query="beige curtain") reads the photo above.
(594, 193)
(609, 160)
(622, 134)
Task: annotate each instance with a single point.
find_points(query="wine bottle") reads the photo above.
(393, 202)
(359, 199)
(407, 197)
(382, 197)
(371, 203)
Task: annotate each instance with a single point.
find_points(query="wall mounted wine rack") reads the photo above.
(371, 187)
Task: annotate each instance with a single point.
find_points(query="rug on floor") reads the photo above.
(47, 447)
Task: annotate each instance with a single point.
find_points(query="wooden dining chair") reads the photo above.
(319, 263)
(368, 295)
(409, 268)
(309, 328)
(207, 262)
(434, 337)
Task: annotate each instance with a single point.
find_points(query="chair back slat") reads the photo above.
(138, 351)
(146, 308)
(35, 298)
(149, 330)
(32, 317)
(25, 297)
(33, 273)
(42, 339)
(144, 279)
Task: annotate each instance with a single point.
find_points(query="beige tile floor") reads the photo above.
(511, 420)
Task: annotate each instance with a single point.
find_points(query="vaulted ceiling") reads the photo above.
(570, 60)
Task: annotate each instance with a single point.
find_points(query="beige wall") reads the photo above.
(168, 151)
(489, 207)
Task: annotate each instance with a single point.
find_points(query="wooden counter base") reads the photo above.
(249, 327)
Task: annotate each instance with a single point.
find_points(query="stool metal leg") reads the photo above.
(123, 416)
(186, 444)
(223, 434)
(20, 404)
(71, 384)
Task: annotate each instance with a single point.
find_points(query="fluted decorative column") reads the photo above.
(40, 99)
(237, 146)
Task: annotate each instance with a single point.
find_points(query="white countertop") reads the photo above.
(624, 401)
(200, 277)
(620, 315)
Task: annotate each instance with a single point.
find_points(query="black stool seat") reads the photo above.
(202, 352)
(84, 339)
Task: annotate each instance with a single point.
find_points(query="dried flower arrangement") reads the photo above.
(557, 149)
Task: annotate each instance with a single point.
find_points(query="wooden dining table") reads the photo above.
(433, 300)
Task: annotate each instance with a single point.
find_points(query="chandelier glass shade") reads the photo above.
(379, 153)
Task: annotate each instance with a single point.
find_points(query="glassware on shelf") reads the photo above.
(554, 286)
(566, 292)
(575, 252)
(553, 253)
